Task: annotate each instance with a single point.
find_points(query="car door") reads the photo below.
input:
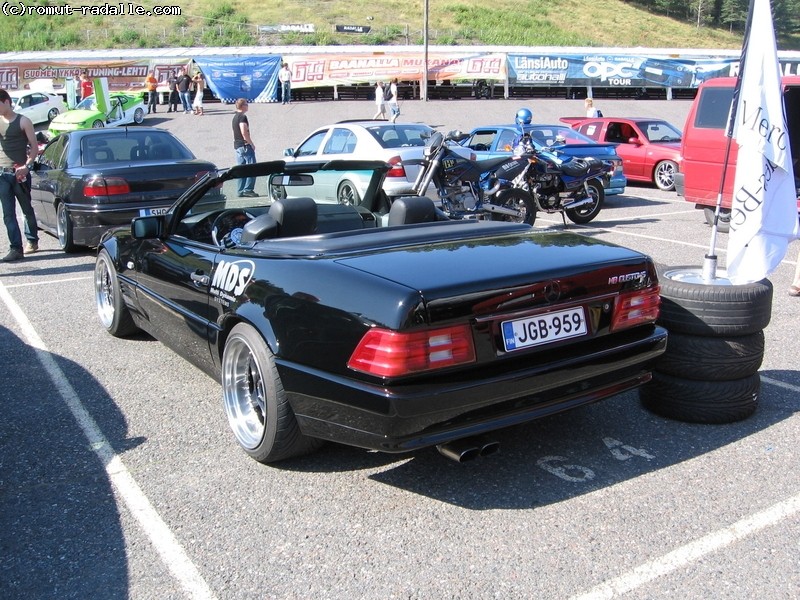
(47, 179)
(173, 277)
(34, 106)
(631, 148)
(310, 150)
(481, 142)
(340, 144)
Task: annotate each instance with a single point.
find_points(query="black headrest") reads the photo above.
(412, 209)
(295, 216)
(263, 227)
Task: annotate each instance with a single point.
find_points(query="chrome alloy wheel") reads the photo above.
(104, 293)
(244, 393)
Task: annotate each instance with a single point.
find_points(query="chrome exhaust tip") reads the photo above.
(468, 449)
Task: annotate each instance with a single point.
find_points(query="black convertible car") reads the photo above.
(389, 328)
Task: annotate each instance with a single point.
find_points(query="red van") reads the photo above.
(704, 142)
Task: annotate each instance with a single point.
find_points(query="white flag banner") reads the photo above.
(764, 205)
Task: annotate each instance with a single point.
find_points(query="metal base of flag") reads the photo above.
(710, 268)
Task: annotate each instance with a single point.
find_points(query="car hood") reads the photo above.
(514, 272)
(77, 115)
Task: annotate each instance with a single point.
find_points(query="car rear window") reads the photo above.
(398, 136)
(713, 108)
(132, 147)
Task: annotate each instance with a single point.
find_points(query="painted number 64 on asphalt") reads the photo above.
(577, 473)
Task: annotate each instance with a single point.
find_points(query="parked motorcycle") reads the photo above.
(569, 185)
(468, 189)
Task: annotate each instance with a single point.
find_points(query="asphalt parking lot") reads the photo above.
(119, 477)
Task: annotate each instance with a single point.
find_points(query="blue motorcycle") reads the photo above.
(468, 189)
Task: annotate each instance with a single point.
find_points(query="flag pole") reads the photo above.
(710, 261)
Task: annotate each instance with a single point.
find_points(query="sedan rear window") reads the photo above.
(398, 136)
(149, 146)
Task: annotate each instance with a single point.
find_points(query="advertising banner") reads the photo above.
(122, 75)
(314, 70)
(254, 78)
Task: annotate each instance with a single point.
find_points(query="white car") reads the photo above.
(39, 107)
(394, 143)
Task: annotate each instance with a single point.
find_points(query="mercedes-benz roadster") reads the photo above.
(388, 328)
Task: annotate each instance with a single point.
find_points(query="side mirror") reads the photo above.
(147, 227)
(635, 141)
(288, 151)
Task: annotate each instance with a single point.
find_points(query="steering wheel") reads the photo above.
(226, 230)
(480, 147)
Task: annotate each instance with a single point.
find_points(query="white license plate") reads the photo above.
(543, 329)
(146, 212)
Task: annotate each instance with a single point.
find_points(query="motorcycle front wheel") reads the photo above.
(518, 200)
(587, 212)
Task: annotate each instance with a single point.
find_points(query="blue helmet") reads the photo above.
(524, 116)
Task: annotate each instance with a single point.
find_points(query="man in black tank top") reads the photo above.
(244, 147)
(18, 150)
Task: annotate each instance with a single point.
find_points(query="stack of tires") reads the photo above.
(709, 373)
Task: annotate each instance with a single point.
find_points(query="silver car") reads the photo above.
(394, 143)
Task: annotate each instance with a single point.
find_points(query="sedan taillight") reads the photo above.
(388, 353)
(636, 308)
(397, 170)
(105, 186)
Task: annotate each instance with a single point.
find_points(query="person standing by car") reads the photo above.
(174, 96)
(391, 100)
(592, 112)
(244, 147)
(151, 84)
(199, 81)
(18, 150)
(87, 87)
(184, 81)
(380, 101)
(285, 77)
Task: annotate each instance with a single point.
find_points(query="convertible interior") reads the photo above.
(218, 214)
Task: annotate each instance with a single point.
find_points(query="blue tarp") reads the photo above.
(254, 78)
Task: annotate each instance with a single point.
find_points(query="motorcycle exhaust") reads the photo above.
(577, 203)
(501, 210)
(468, 449)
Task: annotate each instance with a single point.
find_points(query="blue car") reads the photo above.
(496, 140)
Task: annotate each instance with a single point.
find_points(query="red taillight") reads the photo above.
(397, 170)
(636, 308)
(105, 186)
(388, 353)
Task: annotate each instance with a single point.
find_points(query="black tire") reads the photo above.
(664, 175)
(52, 114)
(64, 229)
(701, 401)
(519, 200)
(588, 212)
(348, 194)
(712, 358)
(98, 124)
(724, 223)
(114, 314)
(255, 402)
(712, 309)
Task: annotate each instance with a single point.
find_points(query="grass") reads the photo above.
(463, 22)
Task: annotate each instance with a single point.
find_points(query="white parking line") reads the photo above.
(167, 545)
(693, 551)
(47, 282)
(707, 544)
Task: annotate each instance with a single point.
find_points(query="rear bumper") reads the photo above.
(403, 418)
(90, 223)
